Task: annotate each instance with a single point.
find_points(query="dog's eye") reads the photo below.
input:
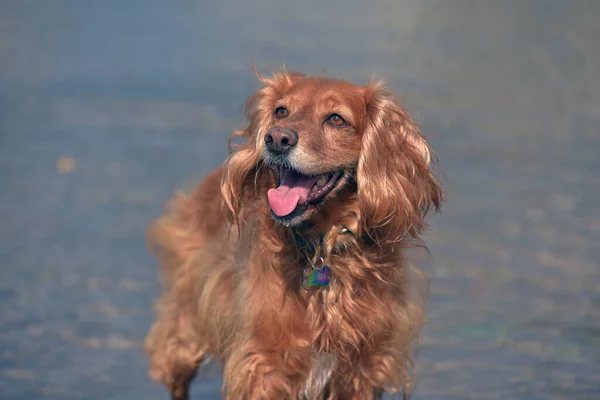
(281, 112)
(336, 120)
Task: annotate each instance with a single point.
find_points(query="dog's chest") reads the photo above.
(322, 368)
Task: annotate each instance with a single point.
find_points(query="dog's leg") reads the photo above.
(174, 351)
(347, 385)
(189, 246)
(194, 318)
(181, 385)
(253, 374)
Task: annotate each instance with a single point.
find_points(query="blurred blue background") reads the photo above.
(107, 107)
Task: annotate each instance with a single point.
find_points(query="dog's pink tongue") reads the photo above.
(294, 190)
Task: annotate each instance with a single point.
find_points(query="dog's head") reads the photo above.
(312, 138)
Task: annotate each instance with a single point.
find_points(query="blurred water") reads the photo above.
(138, 99)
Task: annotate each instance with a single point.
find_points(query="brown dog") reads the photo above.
(286, 263)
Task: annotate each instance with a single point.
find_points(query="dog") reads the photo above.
(286, 263)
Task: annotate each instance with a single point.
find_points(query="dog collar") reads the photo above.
(316, 276)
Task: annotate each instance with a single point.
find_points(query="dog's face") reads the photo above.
(313, 144)
(319, 136)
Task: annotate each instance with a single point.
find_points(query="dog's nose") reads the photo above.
(280, 140)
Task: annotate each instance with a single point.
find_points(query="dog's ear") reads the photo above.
(243, 179)
(396, 183)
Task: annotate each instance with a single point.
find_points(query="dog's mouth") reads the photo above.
(295, 192)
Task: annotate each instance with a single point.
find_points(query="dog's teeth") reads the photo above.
(322, 180)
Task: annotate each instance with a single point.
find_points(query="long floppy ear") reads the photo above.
(242, 171)
(397, 186)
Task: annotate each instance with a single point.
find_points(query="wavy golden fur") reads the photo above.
(232, 270)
